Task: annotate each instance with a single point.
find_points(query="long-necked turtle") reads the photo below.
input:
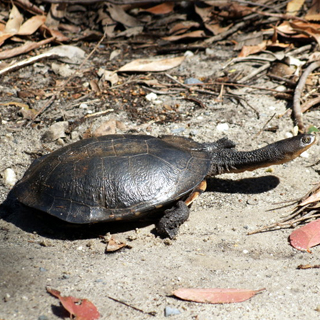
(122, 177)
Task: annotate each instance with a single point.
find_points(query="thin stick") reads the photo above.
(151, 313)
(297, 113)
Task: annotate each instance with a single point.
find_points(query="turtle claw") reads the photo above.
(173, 218)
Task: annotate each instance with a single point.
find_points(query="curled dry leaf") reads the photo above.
(306, 237)
(82, 309)
(149, 65)
(311, 29)
(215, 295)
(114, 245)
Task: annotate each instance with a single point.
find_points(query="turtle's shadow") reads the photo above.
(31, 220)
(244, 186)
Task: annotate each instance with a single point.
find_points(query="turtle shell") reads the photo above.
(114, 177)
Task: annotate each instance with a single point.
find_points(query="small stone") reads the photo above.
(188, 54)
(43, 317)
(41, 269)
(151, 96)
(192, 81)
(168, 311)
(56, 131)
(9, 177)
(222, 127)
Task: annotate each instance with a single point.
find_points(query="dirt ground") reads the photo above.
(212, 249)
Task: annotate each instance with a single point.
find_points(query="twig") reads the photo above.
(84, 61)
(254, 73)
(309, 104)
(297, 113)
(45, 106)
(258, 133)
(151, 313)
(199, 102)
(223, 35)
(178, 82)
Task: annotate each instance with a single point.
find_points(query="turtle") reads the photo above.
(126, 176)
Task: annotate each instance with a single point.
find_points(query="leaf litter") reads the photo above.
(217, 23)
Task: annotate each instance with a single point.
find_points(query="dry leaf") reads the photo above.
(110, 76)
(119, 15)
(306, 237)
(294, 6)
(82, 309)
(247, 50)
(314, 11)
(14, 22)
(183, 26)
(114, 245)
(109, 127)
(313, 197)
(28, 46)
(162, 8)
(31, 25)
(311, 29)
(215, 295)
(149, 65)
(193, 34)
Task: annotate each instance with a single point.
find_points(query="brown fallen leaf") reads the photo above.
(192, 34)
(294, 6)
(82, 309)
(118, 14)
(149, 65)
(310, 29)
(162, 8)
(114, 245)
(314, 11)
(31, 25)
(28, 46)
(14, 22)
(215, 295)
(306, 237)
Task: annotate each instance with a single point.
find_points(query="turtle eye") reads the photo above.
(307, 139)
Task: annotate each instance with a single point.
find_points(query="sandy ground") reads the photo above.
(212, 249)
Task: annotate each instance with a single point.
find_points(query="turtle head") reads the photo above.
(292, 147)
(230, 160)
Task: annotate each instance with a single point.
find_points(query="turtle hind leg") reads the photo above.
(173, 218)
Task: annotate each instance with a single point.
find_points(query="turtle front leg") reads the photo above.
(173, 218)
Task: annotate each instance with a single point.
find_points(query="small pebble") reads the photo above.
(168, 311)
(43, 317)
(188, 54)
(304, 154)
(151, 96)
(42, 269)
(56, 131)
(192, 81)
(9, 177)
(177, 130)
(222, 127)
